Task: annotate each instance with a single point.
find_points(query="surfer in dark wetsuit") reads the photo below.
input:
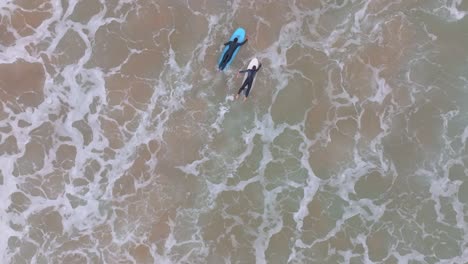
(228, 55)
(248, 81)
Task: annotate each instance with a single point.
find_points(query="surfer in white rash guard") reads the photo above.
(248, 81)
(228, 55)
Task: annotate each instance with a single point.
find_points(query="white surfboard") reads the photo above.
(253, 62)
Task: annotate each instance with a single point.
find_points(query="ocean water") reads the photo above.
(121, 143)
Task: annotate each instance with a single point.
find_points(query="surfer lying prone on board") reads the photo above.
(228, 55)
(248, 81)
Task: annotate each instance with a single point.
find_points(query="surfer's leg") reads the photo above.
(225, 60)
(247, 91)
(222, 64)
(242, 87)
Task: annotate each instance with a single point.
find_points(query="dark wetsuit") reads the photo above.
(249, 80)
(228, 55)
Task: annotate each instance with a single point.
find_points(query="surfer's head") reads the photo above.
(254, 67)
(235, 39)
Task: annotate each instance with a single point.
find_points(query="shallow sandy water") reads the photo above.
(121, 143)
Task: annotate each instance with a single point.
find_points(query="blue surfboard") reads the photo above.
(240, 35)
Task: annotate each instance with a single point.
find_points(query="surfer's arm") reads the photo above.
(240, 44)
(259, 66)
(243, 71)
(227, 43)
